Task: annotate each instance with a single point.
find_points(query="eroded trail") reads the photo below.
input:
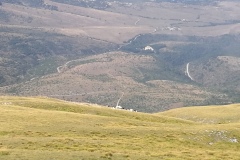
(60, 67)
(119, 99)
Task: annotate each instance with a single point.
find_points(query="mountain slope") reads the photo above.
(222, 71)
(39, 38)
(104, 78)
(43, 128)
(32, 33)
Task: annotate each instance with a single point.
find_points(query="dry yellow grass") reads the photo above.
(210, 114)
(43, 128)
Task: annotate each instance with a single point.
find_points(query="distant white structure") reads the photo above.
(131, 110)
(172, 29)
(119, 107)
(148, 48)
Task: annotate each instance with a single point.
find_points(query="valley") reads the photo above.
(119, 79)
(93, 51)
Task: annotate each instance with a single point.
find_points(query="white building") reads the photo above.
(148, 48)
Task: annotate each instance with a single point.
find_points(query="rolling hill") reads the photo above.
(95, 51)
(104, 78)
(45, 128)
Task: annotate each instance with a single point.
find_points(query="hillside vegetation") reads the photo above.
(103, 78)
(95, 51)
(44, 128)
(36, 37)
(210, 115)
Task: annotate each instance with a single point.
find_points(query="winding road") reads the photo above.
(187, 72)
(59, 68)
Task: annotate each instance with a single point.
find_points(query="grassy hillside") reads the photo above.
(33, 32)
(43, 128)
(103, 78)
(210, 115)
(212, 61)
(44, 46)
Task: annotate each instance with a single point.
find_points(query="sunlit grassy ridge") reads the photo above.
(209, 114)
(43, 128)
